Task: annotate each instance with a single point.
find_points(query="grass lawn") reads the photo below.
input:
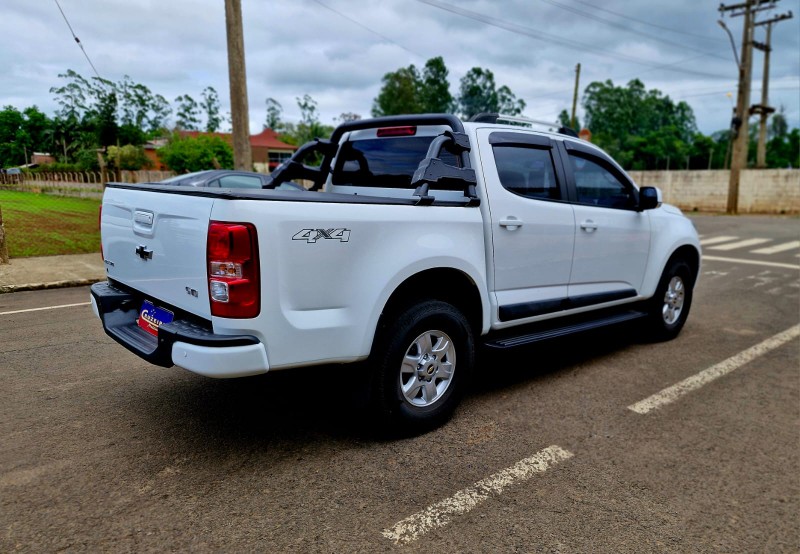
(44, 225)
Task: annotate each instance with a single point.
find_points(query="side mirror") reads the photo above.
(649, 198)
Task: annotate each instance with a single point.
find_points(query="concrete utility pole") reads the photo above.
(739, 124)
(764, 109)
(240, 115)
(575, 95)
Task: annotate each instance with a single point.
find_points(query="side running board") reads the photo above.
(555, 332)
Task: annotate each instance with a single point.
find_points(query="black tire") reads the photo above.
(394, 412)
(664, 324)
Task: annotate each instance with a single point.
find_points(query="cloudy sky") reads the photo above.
(338, 50)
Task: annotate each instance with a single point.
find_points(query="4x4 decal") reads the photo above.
(313, 235)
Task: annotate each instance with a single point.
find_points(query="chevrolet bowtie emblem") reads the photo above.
(144, 253)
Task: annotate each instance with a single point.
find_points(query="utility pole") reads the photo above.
(240, 115)
(763, 109)
(575, 95)
(739, 123)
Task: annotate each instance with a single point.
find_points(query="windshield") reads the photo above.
(196, 176)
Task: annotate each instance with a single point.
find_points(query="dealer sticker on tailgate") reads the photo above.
(151, 317)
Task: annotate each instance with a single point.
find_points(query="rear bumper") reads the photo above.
(186, 342)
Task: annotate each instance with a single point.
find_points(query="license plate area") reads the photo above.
(151, 317)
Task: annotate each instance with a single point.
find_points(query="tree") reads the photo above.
(406, 91)
(434, 91)
(344, 117)
(188, 115)
(564, 119)
(211, 106)
(11, 124)
(128, 157)
(399, 93)
(186, 154)
(274, 113)
(641, 129)
(479, 93)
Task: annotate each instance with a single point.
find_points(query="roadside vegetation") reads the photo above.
(45, 225)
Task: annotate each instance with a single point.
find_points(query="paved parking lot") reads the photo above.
(599, 443)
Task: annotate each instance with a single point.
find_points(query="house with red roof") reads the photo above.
(268, 150)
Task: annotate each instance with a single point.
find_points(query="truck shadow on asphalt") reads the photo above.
(321, 404)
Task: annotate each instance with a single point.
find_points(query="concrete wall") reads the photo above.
(774, 191)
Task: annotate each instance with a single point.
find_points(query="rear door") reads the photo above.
(532, 223)
(155, 242)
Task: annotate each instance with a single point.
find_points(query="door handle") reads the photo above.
(589, 225)
(511, 223)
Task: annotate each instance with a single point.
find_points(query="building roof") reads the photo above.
(265, 139)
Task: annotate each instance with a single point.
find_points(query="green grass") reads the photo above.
(45, 225)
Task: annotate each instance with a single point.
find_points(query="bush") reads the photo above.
(187, 154)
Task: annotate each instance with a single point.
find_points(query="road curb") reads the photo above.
(51, 285)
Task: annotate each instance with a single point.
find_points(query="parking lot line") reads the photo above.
(740, 244)
(439, 514)
(673, 393)
(778, 248)
(749, 262)
(716, 240)
(45, 308)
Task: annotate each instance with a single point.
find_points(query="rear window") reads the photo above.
(383, 162)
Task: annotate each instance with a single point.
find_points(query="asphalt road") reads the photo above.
(100, 451)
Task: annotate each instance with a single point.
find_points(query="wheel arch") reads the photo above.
(447, 284)
(690, 255)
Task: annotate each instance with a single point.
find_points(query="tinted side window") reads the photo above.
(383, 162)
(527, 171)
(240, 182)
(598, 186)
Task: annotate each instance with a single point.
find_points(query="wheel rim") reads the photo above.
(427, 368)
(673, 300)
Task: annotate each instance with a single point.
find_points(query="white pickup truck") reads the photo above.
(423, 238)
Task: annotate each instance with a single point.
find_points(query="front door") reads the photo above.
(612, 238)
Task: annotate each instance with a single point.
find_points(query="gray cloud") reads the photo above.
(297, 47)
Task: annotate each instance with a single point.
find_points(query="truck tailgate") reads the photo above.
(155, 243)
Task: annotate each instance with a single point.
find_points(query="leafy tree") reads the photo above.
(211, 106)
(399, 93)
(274, 113)
(188, 116)
(778, 127)
(565, 120)
(641, 129)
(11, 125)
(344, 117)
(160, 110)
(186, 154)
(479, 93)
(128, 157)
(434, 91)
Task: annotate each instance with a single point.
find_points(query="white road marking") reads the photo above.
(673, 393)
(439, 514)
(778, 248)
(750, 262)
(716, 240)
(740, 244)
(45, 308)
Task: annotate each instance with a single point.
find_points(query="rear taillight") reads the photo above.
(232, 266)
(407, 131)
(99, 227)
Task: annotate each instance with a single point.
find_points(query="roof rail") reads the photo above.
(486, 117)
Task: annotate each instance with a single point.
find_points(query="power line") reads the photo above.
(384, 37)
(77, 40)
(643, 22)
(549, 38)
(628, 29)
